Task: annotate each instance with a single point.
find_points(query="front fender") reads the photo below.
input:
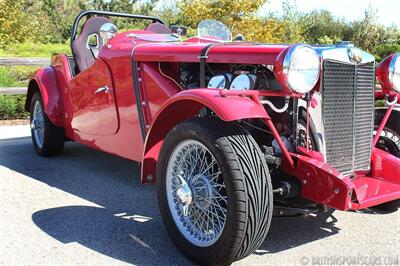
(185, 105)
(45, 81)
(394, 118)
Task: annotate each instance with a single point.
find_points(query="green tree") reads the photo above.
(15, 24)
(320, 26)
(229, 12)
(240, 16)
(125, 6)
(57, 17)
(292, 32)
(50, 21)
(367, 33)
(384, 50)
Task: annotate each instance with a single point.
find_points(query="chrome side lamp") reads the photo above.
(107, 32)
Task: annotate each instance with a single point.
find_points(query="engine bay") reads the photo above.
(288, 117)
(250, 77)
(232, 76)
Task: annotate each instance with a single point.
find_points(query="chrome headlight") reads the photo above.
(394, 72)
(298, 67)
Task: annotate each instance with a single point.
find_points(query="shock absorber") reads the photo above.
(286, 188)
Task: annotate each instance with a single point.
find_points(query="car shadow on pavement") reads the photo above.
(116, 235)
(125, 223)
(290, 232)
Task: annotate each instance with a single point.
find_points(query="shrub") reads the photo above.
(12, 107)
(28, 49)
(15, 76)
(22, 73)
(6, 80)
(384, 50)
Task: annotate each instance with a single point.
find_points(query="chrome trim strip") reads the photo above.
(372, 123)
(354, 117)
(341, 54)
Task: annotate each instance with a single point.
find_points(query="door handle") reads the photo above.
(104, 89)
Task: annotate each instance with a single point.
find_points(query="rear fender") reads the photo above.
(185, 105)
(45, 81)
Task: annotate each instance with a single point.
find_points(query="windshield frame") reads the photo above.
(217, 24)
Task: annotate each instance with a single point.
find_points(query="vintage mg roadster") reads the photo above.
(229, 130)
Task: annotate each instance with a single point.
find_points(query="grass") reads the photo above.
(34, 50)
(18, 76)
(15, 76)
(12, 107)
(6, 80)
(379, 103)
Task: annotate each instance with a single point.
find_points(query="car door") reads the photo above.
(93, 102)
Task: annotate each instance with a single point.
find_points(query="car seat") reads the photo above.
(158, 28)
(83, 50)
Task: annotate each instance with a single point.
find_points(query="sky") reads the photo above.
(388, 10)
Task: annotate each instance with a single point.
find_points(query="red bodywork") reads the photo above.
(111, 123)
(382, 72)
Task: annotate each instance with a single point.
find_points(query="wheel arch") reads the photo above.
(186, 105)
(393, 120)
(313, 128)
(32, 88)
(44, 80)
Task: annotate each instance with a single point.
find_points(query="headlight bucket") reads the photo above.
(297, 68)
(388, 73)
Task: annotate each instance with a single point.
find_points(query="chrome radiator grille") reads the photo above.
(364, 115)
(347, 107)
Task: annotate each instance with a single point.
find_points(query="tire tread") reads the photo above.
(250, 182)
(54, 136)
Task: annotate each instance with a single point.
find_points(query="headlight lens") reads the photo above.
(394, 72)
(302, 67)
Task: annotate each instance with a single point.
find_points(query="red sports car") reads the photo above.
(231, 131)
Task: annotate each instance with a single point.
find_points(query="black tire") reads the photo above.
(248, 189)
(386, 144)
(313, 136)
(53, 136)
(393, 128)
(388, 207)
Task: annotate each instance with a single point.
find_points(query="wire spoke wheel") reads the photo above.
(47, 139)
(389, 141)
(196, 193)
(37, 124)
(392, 136)
(214, 190)
(302, 137)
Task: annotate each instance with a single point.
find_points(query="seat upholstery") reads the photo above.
(83, 56)
(158, 28)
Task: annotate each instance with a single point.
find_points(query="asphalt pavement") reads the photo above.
(85, 207)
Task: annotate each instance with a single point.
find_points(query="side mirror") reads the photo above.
(179, 30)
(239, 38)
(107, 32)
